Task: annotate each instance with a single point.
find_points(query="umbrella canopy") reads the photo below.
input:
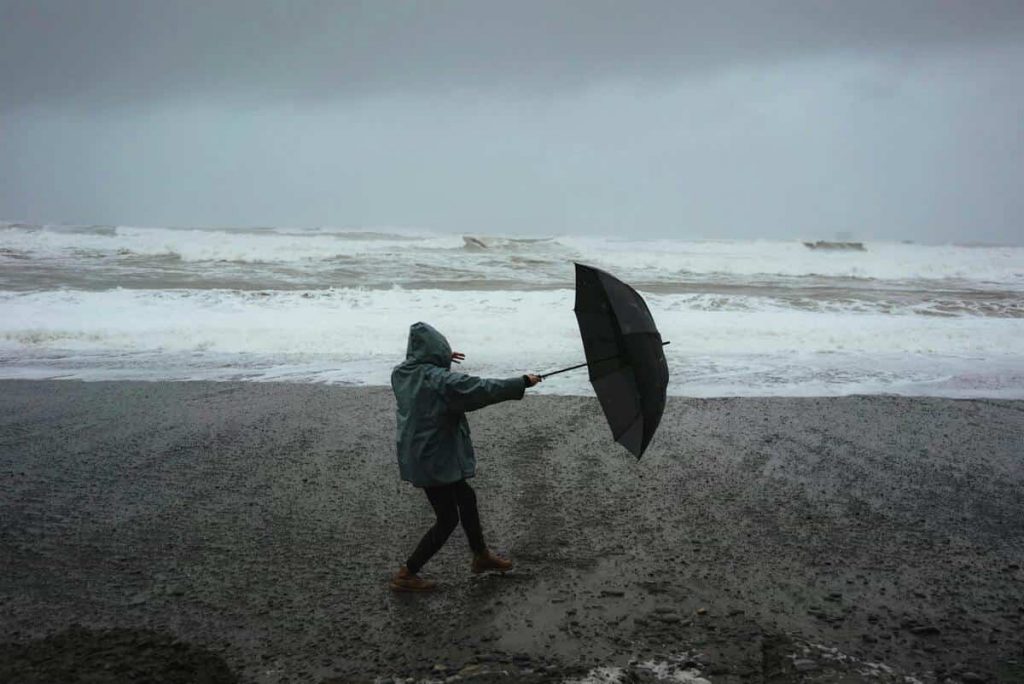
(624, 356)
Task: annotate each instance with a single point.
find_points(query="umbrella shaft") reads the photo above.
(589, 363)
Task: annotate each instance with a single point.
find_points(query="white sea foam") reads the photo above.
(673, 670)
(355, 321)
(333, 305)
(884, 261)
(670, 261)
(217, 245)
(356, 335)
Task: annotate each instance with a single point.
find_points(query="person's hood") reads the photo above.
(426, 345)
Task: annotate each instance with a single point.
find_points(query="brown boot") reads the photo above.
(482, 562)
(407, 581)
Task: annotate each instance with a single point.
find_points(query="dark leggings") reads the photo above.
(451, 503)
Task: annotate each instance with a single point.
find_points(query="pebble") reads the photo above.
(668, 619)
(804, 665)
(138, 599)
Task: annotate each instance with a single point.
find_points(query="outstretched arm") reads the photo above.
(469, 393)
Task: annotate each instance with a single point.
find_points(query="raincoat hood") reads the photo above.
(427, 345)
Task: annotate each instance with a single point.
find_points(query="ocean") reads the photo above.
(745, 318)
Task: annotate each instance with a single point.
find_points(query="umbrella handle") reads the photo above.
(581, 365)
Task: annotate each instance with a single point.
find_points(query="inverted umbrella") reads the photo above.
(624, 354)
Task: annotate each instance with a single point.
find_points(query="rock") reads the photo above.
(973, 678)
(925, 630)
(702, 611)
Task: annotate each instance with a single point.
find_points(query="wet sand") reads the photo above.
(248, 530)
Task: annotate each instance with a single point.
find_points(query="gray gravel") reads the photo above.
(255, 525)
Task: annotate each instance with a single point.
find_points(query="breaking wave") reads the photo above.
(333, 305)
(665, 261)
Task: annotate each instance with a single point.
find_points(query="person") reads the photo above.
(435, 451)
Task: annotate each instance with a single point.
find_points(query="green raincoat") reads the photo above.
(434, 447)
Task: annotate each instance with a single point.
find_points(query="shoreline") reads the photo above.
(260, 521)
(581, 390)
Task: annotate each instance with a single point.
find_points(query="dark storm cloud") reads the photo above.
(888, 120)
(129, 51)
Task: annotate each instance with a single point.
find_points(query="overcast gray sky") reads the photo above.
(901, 119)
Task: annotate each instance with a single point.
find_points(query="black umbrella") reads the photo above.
(624, 356)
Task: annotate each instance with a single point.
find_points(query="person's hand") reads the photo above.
(532, 379)
(458, 357)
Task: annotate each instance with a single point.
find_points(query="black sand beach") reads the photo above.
(207, 532)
